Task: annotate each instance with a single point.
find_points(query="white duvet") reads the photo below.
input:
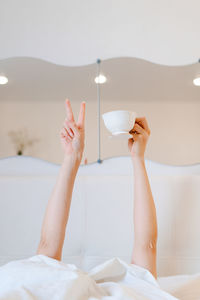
(41, 277)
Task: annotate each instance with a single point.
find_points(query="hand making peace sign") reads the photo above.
(72, 134)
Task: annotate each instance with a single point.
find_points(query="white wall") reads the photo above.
(175, 129)
(78, 32)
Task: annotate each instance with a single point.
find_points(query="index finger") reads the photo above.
(81, 117)
(143, 123)
(69, 112)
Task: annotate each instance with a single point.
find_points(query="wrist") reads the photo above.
(73, 160)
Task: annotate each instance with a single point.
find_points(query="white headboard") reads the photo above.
(101, 218)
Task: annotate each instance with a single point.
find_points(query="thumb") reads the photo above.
(130, 142)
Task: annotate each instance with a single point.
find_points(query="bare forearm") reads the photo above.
(57, 211)
(145, 222)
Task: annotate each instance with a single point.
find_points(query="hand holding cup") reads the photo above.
(140, 135)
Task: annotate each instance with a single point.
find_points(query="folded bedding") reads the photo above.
(41, 277)
(184, 287)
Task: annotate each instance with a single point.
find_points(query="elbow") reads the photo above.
(152, 244)
(152, 240)
(147, 244)
(47, 249)
(42, 245)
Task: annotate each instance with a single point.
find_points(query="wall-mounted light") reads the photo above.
(100, 79)
(3, 80)
(196, 81)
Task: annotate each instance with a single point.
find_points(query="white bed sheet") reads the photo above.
(40, 277)
(184, 287)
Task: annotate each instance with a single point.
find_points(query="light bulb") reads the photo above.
(3, 79)
(196, 81)
(100, 79)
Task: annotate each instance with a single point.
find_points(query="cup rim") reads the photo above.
(112, 111)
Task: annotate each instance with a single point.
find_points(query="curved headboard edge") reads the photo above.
(122, 165)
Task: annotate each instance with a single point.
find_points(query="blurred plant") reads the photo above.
(21, 140)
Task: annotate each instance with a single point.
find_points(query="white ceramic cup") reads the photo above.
(119, 121)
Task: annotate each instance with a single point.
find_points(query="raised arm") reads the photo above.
(145, 221)
(72, 137)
